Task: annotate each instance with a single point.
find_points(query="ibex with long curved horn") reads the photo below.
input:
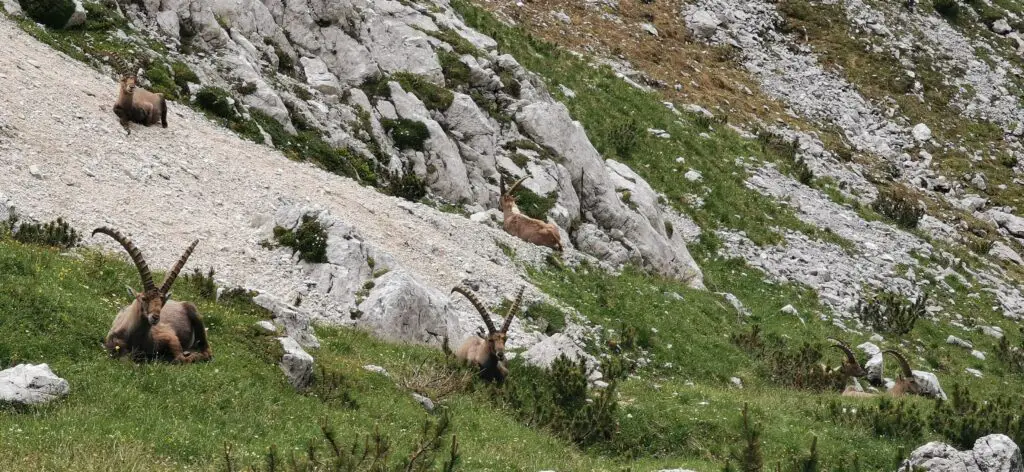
(488, 352)
(153, 326)
(522, 226)
(906, 383)
(139, 106)
(850, 368)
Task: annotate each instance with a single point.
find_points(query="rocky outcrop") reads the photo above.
(993, 453)
(28, 384)
(331, 48)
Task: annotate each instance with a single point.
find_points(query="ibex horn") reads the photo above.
(136, 255)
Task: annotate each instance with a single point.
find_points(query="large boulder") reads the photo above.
(545, 352)
(401, 308)
(703, 24)
(27, 384)
(992, 453)
(296, 322)
(550, 125)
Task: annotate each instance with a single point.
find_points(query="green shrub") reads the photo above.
(456, 73)
(246, 88)
(369, 454)
(557, 399)
(217, 102)
(162, 81)
(57, 233)
(52, 13)
(534, 205)
(1012, 357)
(432, 96)
(803, 173)
(949, 9)
(407, 134)
(900, 205)
(748, 454)
(890, 313)
(548, 317)
(889, 418)
(309, 239)
(962, 419)
(625, 138)
(409, 186)
(183, 75)
(102, 17)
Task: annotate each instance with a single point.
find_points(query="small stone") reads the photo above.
(974, 372)
(267, 327)
(736, 382)
(922, 132)
(1001, 26)
(35, 172)
(427, 403)
(649, 28)
(376, 369)
(877, 338)
(959, 342)
(789, 310)
(978, 354)
(561, 16)
(693, 175)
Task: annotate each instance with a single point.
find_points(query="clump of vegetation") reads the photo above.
(625, 138)
(896, 419)
(333, 387)
(804, 174)
(409, 186)
(890, 312)
(558, 399)
(310, 145)
(57, 233)
(534, 205)
(52, 13)
(1011, 356)
(433, 97)
(407, 134)
(548, 317)
(370, 454)
(203, 284)
(456, 73)
(217, 102)
(962, 420)
(900, 205)
(799, 367)
(748, 454)
(949, 9)
(309, 239)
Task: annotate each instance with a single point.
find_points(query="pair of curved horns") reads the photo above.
(486, 314)
(140, 262)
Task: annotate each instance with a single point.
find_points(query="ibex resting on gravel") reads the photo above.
(488, 352)
(139, 106)
(524, 227)
(152, 326)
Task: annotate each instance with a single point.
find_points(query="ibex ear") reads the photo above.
(131, 292)
(167, 296)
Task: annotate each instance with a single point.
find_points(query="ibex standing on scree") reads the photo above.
(152, 326)
(524, 227)
(140, 106)
(488, 353)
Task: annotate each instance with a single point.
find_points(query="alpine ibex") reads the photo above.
(488, 352)
(524, 227)
(906, 383)
(851, 367)
(140, 106)
(153, 326)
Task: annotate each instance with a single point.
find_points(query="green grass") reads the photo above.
(55, 309)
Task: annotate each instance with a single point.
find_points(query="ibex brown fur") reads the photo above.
(137, 105)
(524, 227)
(152, 326)
(488, 352)
(851, 367)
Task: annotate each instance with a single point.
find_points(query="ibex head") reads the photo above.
(907, 383)
(495, 338)
(150, 301)
(128, 84)
(851, 367)
(508, 199)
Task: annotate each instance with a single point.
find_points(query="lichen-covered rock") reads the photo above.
(28, 384)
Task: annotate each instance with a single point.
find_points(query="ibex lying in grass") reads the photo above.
(851, 368)
(152, 326)
(488, 352)
(905, 384)
(140, 106)
(524, 227)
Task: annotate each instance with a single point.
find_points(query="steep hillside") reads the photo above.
(734, 181)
